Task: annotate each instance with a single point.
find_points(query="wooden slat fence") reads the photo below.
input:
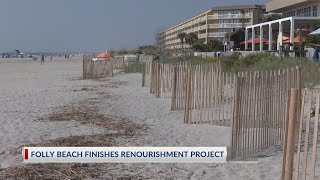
(253, 104)
(209, 95)
(146, 74)
(301, 155)
(155, 79)
(179, 85)
(118, 62)
(260, 110)
(211, 71)
(162, 79)
(97, 69)
(169, 81)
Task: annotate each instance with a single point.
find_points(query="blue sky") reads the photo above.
(93, 25)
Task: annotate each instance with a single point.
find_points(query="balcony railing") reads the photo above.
(229, 25)
(202, 27)
(173, 41)
(230, 16)
(202, 35)
(217, 34)
(202, 19)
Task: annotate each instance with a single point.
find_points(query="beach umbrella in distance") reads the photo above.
(105, 55)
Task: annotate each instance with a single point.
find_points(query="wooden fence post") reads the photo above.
(83, 66)
(158, 85)
(152, 78)
(235, 115)
(143, 74)
(315, 139)
(187, 97)
(299, 83)
(174, 88)
(288, 158)
(112, 68)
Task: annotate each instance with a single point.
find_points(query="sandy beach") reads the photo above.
(52, 105)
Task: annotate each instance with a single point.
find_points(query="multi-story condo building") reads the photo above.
(299, 8)
(214, 24)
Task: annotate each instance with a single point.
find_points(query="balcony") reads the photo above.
(173, 41)
(248, 15)
(230, 16)
(217, 34)
(202, 19)
(202, 35)
(202, 27)
(171, 36)
(229, 25)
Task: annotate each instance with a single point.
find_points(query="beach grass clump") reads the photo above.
(267, 61)
(133, 67)
(192, 59)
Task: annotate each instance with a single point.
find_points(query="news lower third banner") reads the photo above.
(124, 154)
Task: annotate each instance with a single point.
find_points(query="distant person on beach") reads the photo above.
(51, 58)
(316, 54)
(42, 59)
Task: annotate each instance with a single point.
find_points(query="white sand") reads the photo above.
(28, 91)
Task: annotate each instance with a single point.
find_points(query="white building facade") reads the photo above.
(214, 24)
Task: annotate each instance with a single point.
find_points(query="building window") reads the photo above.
(298, 12)
(306, 11)
(235, 21)
(222, 12)
(290, 14)
(223, 21)
(235, 12)
(222, 30)
(315, 11)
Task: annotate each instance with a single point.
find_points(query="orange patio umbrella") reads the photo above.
(257, 41)
(295, 40)
(105, 55)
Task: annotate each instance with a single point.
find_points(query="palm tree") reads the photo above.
(191, 39)
(182, 36)
(215, 45)
(227, 35)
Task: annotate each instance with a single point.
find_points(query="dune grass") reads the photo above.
(256, 62)
(264, 61)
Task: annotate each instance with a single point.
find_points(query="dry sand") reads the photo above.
(51, 105)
